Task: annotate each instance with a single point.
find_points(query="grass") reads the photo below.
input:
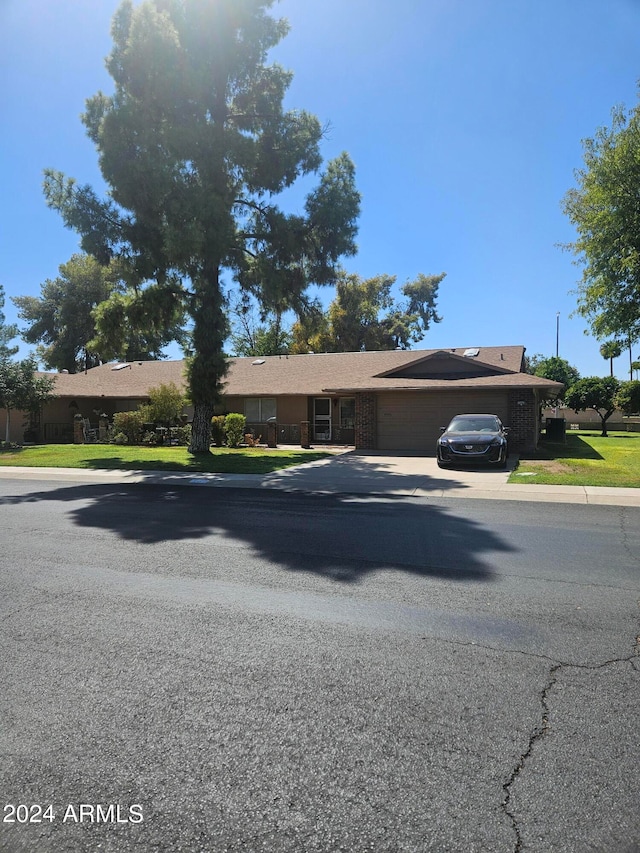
(123, 457)
(587, 459)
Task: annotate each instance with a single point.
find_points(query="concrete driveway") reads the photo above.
(398, 474)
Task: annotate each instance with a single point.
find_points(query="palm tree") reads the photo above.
(635, 365)
(610, 350)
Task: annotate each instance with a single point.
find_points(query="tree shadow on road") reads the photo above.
(340, 537)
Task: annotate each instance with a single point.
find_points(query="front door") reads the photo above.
(322, 419)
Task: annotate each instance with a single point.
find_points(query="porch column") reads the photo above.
(523, 419)
(304, 434)
(272, 429)
(78, 432)
(103, 427)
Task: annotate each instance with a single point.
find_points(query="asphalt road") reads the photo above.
(236, 670)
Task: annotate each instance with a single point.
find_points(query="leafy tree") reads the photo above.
(7, 332)
(134, 324)
(21, 389)
(194, 146)
(611, 350)
(265, 340)
(365, 316)
(628, 397)
(531, 362)
(81, 318)
(594, 392)
(605, 210)
(556, 369)
(251, 338)
(60, 319)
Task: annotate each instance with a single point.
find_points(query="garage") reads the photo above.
(412, 420)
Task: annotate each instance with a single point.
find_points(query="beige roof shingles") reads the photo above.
(131, 381)
(306, 375)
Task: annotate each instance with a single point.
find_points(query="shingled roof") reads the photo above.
(128, 380)
(313, 374)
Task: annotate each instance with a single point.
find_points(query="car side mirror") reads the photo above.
(506, 430)
(442, 429)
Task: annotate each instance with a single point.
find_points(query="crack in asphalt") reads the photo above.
(540, 730)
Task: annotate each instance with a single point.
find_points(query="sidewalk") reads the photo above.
(357, 473)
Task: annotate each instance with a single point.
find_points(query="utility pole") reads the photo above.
(557, 349)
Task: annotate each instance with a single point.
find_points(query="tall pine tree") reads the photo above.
(195, 146)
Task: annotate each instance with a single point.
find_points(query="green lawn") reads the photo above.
(113, 457)
(587, 459)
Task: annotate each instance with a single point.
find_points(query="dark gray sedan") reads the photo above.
(470, 439)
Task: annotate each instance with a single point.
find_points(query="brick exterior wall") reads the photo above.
(365, 424)
(523, 420)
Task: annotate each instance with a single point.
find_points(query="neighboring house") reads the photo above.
(395, 400)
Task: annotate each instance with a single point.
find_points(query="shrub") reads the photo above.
(131, 424)
(217, 430)
(165, 404)
(182, 435)
(234, 428)
(120, 438)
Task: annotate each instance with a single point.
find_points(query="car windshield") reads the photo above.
(472, 424)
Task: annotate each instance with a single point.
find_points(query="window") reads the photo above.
(347, 412)
(258, 410)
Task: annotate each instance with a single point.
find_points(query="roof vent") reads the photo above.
(258, 361)
(471, 353)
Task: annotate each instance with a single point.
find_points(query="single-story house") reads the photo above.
(394, 400)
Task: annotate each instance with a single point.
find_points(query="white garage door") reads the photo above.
(412, 421)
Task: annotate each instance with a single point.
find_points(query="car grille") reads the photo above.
(469, 448)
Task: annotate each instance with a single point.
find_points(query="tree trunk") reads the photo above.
(201, 428)
(208, 366)
(604, 418)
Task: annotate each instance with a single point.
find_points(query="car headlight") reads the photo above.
(497, 442)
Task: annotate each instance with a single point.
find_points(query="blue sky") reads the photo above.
(464, 119)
